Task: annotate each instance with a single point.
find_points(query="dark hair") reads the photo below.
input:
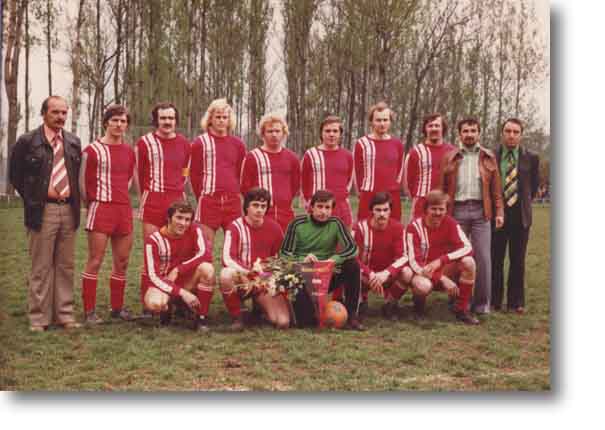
(468, 121)
(44, 107)
(380, 199)
(115, 110)
(256, 195)
(163, 105)
(322, 196)
(436, 197)
(330, 119)
(432, 117)
(179, 206)
(514, 121)
(380, 106)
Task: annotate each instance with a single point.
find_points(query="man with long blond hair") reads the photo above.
(216, 163)
(274, 168)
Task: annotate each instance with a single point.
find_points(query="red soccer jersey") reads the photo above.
(245, 243)
(278, 173)
(162, 164)
(423, 244)
(380, 249)
(327, 170)
(216, 164)
(379, 164)
(163, 253)
(423, 167)
(109, 169)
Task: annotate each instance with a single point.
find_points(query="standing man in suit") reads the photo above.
(44, 168)
(470, 176)
(519, 171)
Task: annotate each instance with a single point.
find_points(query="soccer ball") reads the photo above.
(335, 315)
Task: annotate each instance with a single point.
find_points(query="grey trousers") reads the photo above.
(51, 279)
(469, 215)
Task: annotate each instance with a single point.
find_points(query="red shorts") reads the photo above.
(281, 215)
(153, 208)
(363, 211)
(112, 219)
(218, 210)
(181, 281)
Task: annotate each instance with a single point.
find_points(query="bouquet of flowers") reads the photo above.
(272, 276)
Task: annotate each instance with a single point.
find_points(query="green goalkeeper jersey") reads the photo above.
(329, 240)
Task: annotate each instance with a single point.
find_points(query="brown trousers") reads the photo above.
(51, 279)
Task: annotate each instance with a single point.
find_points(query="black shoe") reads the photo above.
(123, 314)
(390, 311)
(91, 319)
(355, 324)
(165, 317)
(201, 324)
(237, 325)
(419, 308)
(466, 318)
(146, 314)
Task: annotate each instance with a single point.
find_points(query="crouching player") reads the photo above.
(178, 266)
(440, 255)
(381, 257)
(247, 239)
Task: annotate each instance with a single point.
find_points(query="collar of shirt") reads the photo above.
(514, 151)
(50, 134)
(466, 150)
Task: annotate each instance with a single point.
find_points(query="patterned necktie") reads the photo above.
(59, 180)
(511, 182)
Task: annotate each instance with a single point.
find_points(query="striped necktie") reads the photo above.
(58, 178)
(511, 182)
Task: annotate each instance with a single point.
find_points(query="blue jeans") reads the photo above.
(469, 215)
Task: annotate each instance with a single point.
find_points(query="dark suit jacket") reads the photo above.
(529, 178)
(30, 168)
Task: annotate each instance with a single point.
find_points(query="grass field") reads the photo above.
(506, 352)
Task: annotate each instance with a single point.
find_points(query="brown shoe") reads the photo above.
(71, 325)
(37, 328)
(520, 310)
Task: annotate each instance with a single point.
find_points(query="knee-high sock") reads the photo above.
(204, 295)
(464, 296)
(117, 285)
(89, 291)
(395, 291)
(232, 302)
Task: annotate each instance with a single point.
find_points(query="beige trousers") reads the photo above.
(51, 279)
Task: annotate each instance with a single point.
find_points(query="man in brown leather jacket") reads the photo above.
(44, 167)
(471, 177)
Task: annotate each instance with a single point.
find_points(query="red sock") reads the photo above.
(117, 285)
(232, 302)
(337, 293)
(396, 291)
(204, 295)
(89, 291)
(466, 291)
(144, 288)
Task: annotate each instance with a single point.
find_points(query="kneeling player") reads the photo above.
(440, 255)
(247, 239)
(107, 169)
(381, 257)
(178, 265)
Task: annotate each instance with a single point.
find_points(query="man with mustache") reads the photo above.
(379, 162)
(440, 255)
(44, 167)
(470, 176)
(162, 169)
(423, 162)
(381, 256)
(328, 166)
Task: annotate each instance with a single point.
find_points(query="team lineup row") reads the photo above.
(52, 175)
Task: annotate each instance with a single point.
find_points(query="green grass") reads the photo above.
(507, 352)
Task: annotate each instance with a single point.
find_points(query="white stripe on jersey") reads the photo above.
(425, 162)
(263, 167)
(164, 252)
(209, 167)
(155, 154)
(369, 163)
(228, 261)
(142, 204)
(103, 192)
(244, 241)
(462, 251)
(153, 275)
(318, 167)
(201, 245)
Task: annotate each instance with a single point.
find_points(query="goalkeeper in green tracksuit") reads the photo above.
(316, 237)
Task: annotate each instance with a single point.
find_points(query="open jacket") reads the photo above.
(30, 167)
(491, 184)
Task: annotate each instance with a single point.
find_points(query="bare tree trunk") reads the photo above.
(77, 78)
(27, 45)
(49, 16)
